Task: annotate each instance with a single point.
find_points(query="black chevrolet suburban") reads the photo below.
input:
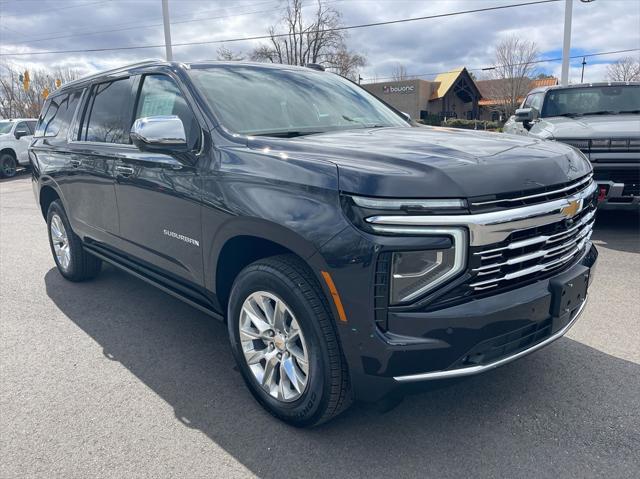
(349, 250)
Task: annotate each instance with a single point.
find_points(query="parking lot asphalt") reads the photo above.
(113, 378)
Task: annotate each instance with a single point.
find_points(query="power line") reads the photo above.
(280, 35)
(121, 27)
(14, 15)
(492, 67)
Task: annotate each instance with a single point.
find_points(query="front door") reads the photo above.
(159, 196)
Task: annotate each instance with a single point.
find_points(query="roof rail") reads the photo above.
(93, 76)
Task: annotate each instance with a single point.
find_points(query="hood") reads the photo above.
(424, 162)
(596, 126)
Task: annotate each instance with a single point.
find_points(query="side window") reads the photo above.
(22, 126)
(56, 115)
(105, 112)
(32, 126)
(159, 95)
(536, 101)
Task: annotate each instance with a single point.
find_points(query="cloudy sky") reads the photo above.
(424, 47)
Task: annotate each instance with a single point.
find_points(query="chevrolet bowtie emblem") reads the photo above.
(572, 209)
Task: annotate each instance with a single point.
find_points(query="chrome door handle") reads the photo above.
(124, 170)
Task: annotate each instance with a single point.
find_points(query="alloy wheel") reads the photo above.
(9, 167)
(60, 242)
(273, 345)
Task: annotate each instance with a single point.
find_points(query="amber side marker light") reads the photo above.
(334, 295)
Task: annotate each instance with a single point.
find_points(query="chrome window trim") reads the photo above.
(484, 228)
(580, 182)
(471, 370)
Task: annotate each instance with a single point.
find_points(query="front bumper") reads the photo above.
(443, 344)
(618, 183)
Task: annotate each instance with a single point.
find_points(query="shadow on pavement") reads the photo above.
(546, 415)
(21, 173)
(618, 230)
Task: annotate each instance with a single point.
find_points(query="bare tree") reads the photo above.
(513, 68)
(313, 40)
(399, 73)
(625, 69)
(16, 102)
(228, 55)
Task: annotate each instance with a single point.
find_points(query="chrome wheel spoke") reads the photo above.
(273, 346)
(254, 357)
(255, 317)
(279, 314)
(290, 370)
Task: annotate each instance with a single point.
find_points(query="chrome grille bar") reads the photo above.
(487, 228)
(572, 186)
(542, 267)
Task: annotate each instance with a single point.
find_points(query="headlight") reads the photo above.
(414, 273)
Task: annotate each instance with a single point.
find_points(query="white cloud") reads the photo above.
(422, 46)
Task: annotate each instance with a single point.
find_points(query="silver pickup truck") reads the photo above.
(602, 120)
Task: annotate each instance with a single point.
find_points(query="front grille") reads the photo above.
(531, 253)
(530, 197)
(629, 176)
(604, 145)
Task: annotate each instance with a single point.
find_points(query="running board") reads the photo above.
(138, 272)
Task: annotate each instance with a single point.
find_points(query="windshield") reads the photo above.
(598, 100)
(5, 127)
(254, 100)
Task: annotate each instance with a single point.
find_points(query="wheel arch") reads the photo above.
(248, 240)
(48, 194)
(10, 151)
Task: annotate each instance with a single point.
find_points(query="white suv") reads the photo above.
(15, 136)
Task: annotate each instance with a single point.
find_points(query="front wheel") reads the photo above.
(284, 341)
(8, 166)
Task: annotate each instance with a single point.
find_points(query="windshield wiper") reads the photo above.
(629, 111)
(287, 133)
(601, 112)
(570, 115)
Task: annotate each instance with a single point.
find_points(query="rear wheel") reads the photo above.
(8, 165)
(284, 341)
(73, 262)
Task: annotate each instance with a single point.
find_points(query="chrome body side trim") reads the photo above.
(471, 370)
(487, 228)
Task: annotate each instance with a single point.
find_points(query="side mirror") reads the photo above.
(20, 133)
(526, 114)
(160, 134)
(406, 116)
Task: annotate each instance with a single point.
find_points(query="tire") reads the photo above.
(8, 166)
(73, 262)
(325, 392)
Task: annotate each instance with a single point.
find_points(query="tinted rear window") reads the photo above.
(57, 114)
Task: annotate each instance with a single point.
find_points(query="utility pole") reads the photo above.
(167, 29)
(566, 46)
(584, 62)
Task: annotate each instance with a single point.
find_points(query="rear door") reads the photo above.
(99, 138)
(159, 196)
